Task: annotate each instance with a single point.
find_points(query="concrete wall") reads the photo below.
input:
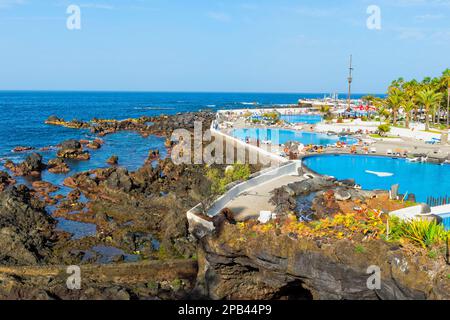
(286, 169)
(195, 217)
(274, 159)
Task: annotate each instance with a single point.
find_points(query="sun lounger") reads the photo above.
(389, 152)
(373, 150)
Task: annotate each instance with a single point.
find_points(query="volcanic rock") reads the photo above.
(25, 228)
(72, 149)
(113, 160)
(58, 166)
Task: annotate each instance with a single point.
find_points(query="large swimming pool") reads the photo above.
(281, 136)
(371, 172)
(302, 118)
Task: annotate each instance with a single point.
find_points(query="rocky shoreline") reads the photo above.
(138, 215)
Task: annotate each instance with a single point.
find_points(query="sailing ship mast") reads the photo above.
(350, 80)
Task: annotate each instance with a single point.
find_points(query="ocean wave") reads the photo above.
(249, 103)
(154, 108)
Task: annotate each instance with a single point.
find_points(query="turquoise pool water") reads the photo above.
(371, 172)
(281, 136)
(446, 220)
(302, 118)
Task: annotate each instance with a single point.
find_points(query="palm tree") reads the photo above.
(408, 106)
(445, 81)
(394, 101)
(436, 86)
(428, 98)
(411, 88)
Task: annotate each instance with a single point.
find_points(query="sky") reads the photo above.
(221, 46)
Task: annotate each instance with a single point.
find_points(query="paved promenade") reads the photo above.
(249, 204)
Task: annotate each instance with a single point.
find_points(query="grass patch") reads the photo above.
(433, 254)
(360, 249)
(432, 131)
(377, 136)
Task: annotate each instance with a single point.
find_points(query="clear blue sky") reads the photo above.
(228, 45)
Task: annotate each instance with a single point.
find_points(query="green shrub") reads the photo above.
(273, 116)
(239, 172)
(219, 182)
(420, 232)
(383, 129)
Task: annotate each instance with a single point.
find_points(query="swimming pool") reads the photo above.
(281, 136)
(446, 220)
(302, 118)
(372, 172)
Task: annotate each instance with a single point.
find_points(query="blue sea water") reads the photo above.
(421, 179)
(281, 136)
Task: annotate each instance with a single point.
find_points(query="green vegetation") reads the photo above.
(163, 254)
(377, 136)
(420, 232)
(427, 98)
(383, 129)
(271, 116)
(360, 249)
(176, 284)
(432, 131)
(219, 181)
(433, 254)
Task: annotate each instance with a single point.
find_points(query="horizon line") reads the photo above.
(187, 91)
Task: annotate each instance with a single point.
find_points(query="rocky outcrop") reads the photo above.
(170, 280)
(161, 126)
(113, 160)
(74, 124)
(32, 166)
(326, 192)
(5, 180)
(119, 180)
(153, 155)
(285, 198)
(58, 166)
(233, 265)
(22, 149)
(94, 145)
(72, 149)
(26, 230)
